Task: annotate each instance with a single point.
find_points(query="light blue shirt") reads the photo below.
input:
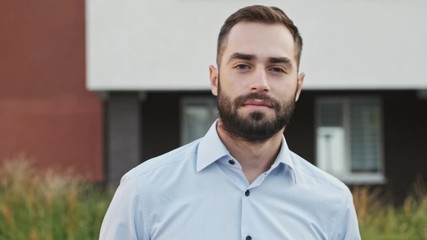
(199, 192)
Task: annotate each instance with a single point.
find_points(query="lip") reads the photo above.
(257, 102)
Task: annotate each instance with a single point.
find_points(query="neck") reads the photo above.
(255, 157)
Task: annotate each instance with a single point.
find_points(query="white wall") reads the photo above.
(169, 44)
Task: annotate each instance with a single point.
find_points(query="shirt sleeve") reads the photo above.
(124, 217)
(348, 227)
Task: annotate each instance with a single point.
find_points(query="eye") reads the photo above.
(278, 69)
(242, 66)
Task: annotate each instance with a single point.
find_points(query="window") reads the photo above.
(198, 114)
(349, 143)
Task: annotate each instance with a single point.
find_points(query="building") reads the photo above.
(47, 116)
(362, 115)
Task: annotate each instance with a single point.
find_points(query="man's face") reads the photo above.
(257, 82)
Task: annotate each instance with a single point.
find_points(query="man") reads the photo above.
(240, 181)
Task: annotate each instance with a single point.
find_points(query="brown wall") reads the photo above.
(45, 111)
(161, 123)
(405, 138)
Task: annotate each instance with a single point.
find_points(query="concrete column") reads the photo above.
(123, 135)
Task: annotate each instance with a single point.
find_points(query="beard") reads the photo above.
(256, 127)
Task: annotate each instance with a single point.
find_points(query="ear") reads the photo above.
(213, 75)
(300, 80)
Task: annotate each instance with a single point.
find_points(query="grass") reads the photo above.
(47, 205)
(381, 220)
(50, 205)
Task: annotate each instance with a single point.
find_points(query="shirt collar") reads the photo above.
(212, 149)
(284, 157)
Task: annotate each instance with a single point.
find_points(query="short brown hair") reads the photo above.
(259, 14)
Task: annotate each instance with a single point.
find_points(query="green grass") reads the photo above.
(53, 205)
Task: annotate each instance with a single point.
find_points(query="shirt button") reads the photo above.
(231, 162)
(248, 238)
(247, 193)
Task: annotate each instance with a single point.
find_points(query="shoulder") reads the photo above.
(311, 175)
(160, 166)
(329, 192)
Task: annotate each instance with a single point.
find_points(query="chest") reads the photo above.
(206, 209)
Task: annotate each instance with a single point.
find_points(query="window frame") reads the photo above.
(349, 177)
(208, 101)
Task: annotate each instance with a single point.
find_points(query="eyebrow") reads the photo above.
(249, 57)
(283, 60)
(241, 56)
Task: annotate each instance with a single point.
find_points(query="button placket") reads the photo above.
(246, 209)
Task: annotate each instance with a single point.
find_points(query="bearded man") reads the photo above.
(240, 181)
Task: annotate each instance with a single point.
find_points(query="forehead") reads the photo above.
(259, 39)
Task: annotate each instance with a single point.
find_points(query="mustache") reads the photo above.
(240, 100)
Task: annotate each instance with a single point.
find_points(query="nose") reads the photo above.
(260, 82)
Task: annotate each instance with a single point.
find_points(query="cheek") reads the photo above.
(230, 89)
(234, 82)
(284, 87)
(285, 94)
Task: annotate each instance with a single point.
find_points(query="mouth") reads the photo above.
(257, 103)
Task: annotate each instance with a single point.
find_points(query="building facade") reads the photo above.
(47, 116)
(101, 86)
(362, 114)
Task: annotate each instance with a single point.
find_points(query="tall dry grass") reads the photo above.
(381, 220)
(53, 205)
(47, 205)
